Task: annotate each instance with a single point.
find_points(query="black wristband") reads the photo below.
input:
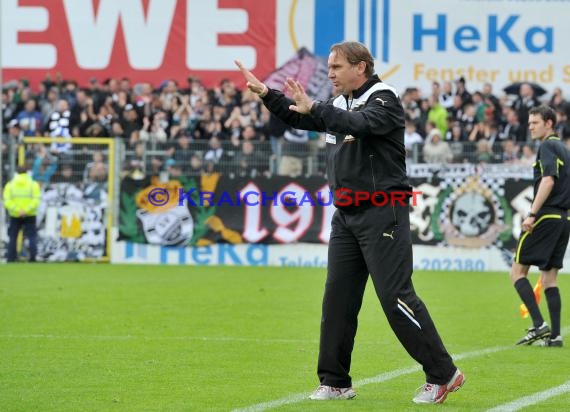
(530, 214)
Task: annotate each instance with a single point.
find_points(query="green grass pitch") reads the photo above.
(86, 337)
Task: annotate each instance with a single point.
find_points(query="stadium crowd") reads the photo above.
(190, 129)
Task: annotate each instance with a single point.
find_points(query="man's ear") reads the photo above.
(361, 66)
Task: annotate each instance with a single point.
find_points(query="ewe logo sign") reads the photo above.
(145, 40)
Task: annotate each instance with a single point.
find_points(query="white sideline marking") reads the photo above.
(533, 399)
(376, 379)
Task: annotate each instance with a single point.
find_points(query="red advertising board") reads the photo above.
(144, 40)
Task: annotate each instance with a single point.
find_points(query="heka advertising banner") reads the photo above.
(414, 42)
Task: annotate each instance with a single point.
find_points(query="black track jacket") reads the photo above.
(365, 138)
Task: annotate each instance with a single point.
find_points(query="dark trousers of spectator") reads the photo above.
(28, 224)
(375, 241)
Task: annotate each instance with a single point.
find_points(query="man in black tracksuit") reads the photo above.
(366, 170)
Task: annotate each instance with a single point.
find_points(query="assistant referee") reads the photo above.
(546, 228)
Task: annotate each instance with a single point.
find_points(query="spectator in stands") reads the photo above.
(143, 94)
(562, 127)
(65, 175)
(134, 139)
(130, 120)
(125, 85)
(97, 159)
(480, 106)
(435, 149)
(7, 106)
(227, 95)
(524, 102)
(48, 104)
(456, 109)
(294, 150)
(138, 156)
(30, 119)
(117, 130)
(249, 133)
(446, 95)
(457, 140)
(491, 100)
(155, 131)
(181, 150)
(174, 170)
(248, 162)
(244, 115)
(437, 114)
(484, 153)
(275, 127)
(79, 109)
(510, 153)
(486, 130)
(196, 168)
(169, 91)
(96, 130)
(59, 125)
(181, 114)
(215, 153)
(123, 99)
(44, 165)
(513, 130)
(528, 156)
(423, 120)
(95, 186)
(468, 120)
(234, 128)
(15, 134)
(557, 100)
(411, 106)
(212, 128)
(8, 147)
(262, 124)
(411, 138)
(461, 91)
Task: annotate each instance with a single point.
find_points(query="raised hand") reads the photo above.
(303, 102)
(253, 83)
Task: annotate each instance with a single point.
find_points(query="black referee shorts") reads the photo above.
(546, 245)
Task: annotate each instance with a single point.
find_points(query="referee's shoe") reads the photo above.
(552, 342)
(535, 334)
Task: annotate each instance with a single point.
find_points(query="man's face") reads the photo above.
(344, 76)
(537, 127)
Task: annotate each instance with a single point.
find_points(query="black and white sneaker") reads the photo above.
(552, 342)
(534, 334)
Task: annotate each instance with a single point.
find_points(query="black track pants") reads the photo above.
(376, 240)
